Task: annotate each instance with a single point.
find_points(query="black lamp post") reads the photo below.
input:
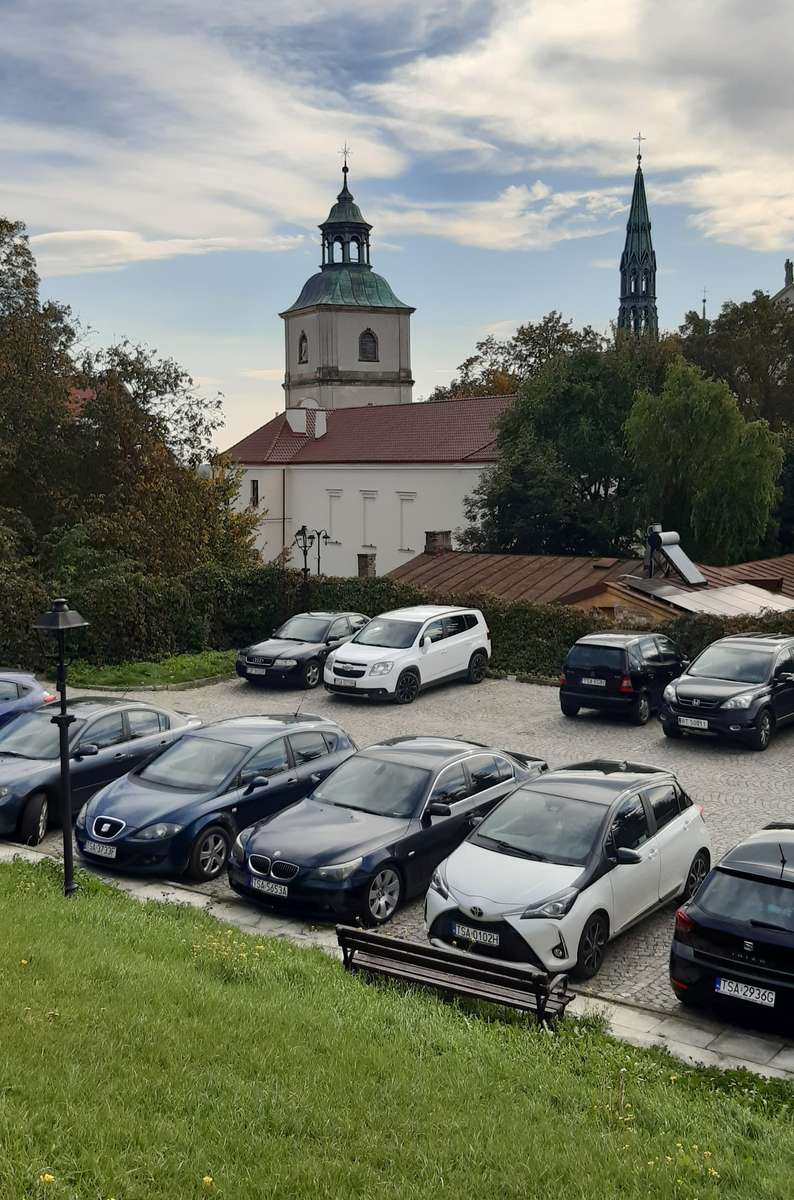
(304, 540)
(323, 537)
(56, 623)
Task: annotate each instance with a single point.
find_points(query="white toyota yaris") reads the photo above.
(568, 861)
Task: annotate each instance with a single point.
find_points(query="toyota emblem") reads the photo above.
(476, 912)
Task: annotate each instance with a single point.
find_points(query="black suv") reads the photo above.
(739, 686)
(735, 937)
(620, 672)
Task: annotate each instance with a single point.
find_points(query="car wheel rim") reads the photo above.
(763, 731)
(594, 942)
(212, 854)
(312, 675)
(645, 709)
(697, 873)
(384, 894)
(478, 668)
(407, 688)
(43, 814)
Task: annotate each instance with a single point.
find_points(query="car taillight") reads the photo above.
(48, 698)
(563, 680)
(683, 925)
(626, 684)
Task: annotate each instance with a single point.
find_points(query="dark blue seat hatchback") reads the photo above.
(181, 811)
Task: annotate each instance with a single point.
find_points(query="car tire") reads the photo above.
(640, 710)
(382, 895)
(698, 870)
(209, 853)
(592, 946)
(311, 674)
(33, 821)
(568, 709)
(671, 730)
(760, 738)
(478, 667)
(406, 688)
(685, 1000)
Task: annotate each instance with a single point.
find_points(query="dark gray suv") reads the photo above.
(742, 687)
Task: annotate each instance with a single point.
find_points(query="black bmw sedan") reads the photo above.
(181, 811)
(298, 648)
(372, 834)
(106, 739)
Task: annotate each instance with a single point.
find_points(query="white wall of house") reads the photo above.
(382, 510)
(333, 375)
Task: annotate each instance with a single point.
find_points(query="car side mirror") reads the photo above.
(436, 809)
(425, 642)
(685, 662)
(316, 777)
(785, 677)
(475, 819)
(626, 857)
(258, 781)
(89, 750)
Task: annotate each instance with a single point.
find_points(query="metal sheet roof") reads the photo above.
(735, 600)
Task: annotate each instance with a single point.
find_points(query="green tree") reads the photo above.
(705, 471)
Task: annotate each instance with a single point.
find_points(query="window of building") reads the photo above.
(406, 501)
(333, 526)
(367, 503)
(254, 493)
(367, 347)
(303, 348)
(337, 250)
(355, 250)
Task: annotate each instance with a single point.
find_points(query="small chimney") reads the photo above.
(366, 566)
(437, 541)
(789, 273)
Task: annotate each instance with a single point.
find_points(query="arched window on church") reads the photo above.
(338, 251)
(644, 284)
(355, 250)
(303, 348)
(367, 347)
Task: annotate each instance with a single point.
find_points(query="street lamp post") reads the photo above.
(304, 540)
(56, 623)
(323, 537)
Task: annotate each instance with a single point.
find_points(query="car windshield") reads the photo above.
(753, 901)
(588, 657)
(372, 785)
(740, 664)
(303, 629)
(397, 635)
(553, 829)
(195, 763)
(33, 735)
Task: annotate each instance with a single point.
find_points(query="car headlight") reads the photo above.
(670, 694)
(557, 906)
(4, 791)
(242, 654)
(439, 882)
(288, 663)
(381, 668)
(742, 701)
(338, 871)
(156, 833)
(329, 658)
(240, 842)
(80, 822)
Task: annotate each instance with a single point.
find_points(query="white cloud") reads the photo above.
(263, 373)
(79, 250)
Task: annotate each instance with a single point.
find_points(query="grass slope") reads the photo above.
(149, 1052)
(180, 668)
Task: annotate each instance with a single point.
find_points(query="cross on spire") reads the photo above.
(639, 139)
(345, 153)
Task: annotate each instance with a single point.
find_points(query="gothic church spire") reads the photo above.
(637, 311)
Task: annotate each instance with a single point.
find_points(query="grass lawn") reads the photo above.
(151, 1053)
(180, 668)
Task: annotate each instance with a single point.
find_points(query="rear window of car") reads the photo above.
(761, 901)
(588, 656)
(8, 690)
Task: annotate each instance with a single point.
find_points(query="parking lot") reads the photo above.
(738, 789)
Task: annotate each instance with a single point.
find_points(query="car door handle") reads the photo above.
(651, 854)
(121, 755)
(292, 779)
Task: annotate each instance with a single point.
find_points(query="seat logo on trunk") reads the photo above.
(750, 946)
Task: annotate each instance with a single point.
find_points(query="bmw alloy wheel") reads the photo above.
(384, 895)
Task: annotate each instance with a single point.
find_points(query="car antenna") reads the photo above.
(300, 706)
(782, 859)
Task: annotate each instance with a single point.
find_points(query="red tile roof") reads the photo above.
(437, 431)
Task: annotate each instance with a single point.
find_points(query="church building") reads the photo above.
(637, 312)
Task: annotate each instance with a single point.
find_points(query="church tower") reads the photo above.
(347, 336)
(637, 311)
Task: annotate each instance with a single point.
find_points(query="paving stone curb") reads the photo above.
(694, 1039)
(153, 687)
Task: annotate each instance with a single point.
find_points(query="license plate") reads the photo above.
(257, 670)
(484, 936)
(344, 682)
(745, 991)
(595, 682)
(270, 889)
(100, 849)
(693, 723)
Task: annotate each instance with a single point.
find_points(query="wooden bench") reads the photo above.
(454, 972)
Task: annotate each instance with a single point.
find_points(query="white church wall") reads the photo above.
(333, 346)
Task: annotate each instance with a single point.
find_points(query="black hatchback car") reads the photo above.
(734, 940)
(619, 672)
(298, 648)
(742, 687)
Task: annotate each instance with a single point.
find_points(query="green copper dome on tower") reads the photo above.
(346, 277)
(637, 312)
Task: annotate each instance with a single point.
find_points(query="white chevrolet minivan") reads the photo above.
(399, 653)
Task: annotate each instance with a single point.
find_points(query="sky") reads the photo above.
(173, 158)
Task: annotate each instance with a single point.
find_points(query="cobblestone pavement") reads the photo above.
(739, 790)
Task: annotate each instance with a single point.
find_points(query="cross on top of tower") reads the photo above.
(345, 153)
(639, 139)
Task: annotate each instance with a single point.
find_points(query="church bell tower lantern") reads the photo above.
(347, 336)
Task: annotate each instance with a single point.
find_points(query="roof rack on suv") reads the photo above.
(758, 633)
(780, 825)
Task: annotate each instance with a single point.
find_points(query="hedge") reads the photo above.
(136, 616)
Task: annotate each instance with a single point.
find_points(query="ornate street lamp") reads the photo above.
(304, 540)
(56, 623)
(323, 537)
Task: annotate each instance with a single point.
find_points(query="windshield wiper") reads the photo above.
(769, 925)
(511, 849)
(13, 753)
